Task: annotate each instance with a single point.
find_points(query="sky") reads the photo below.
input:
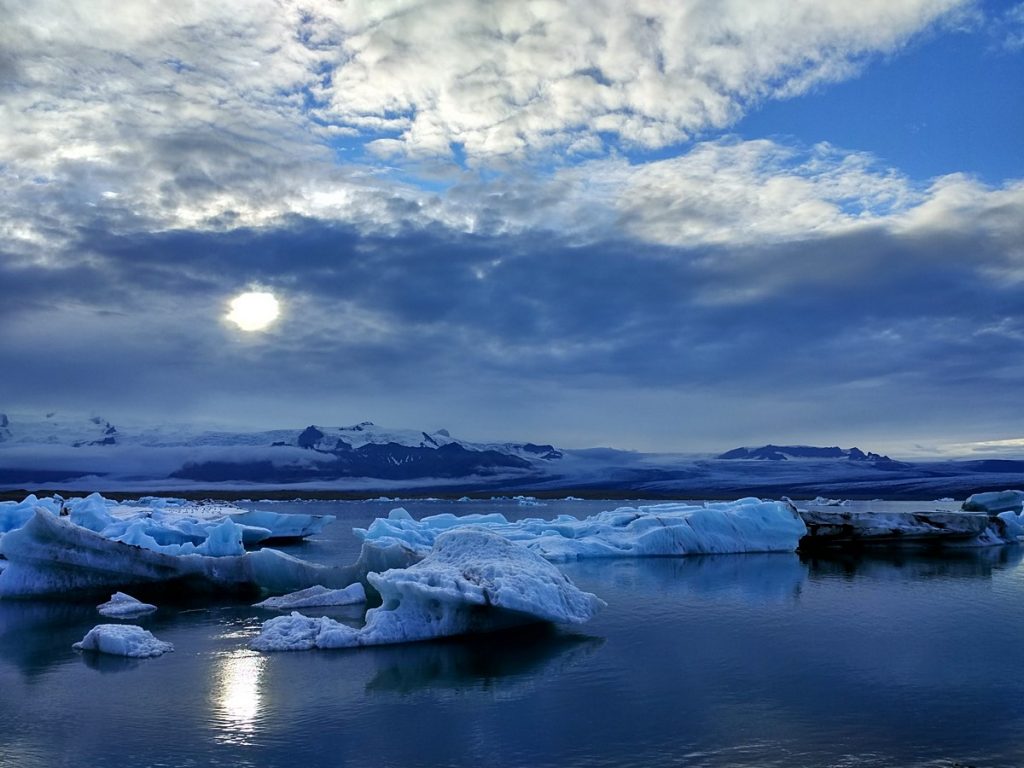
(672, 226)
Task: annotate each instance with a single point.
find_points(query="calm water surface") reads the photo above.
(742, 660)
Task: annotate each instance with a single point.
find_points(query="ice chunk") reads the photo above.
(90, 512)
(317, 596)
(225, 539)
(821, 501)
(122, 640)
(835, 527)
(746, 525)
(281, 526)
(124, 606)
(157, 523)
(14, 514)
(994, 502)
(472, 581)
(49, 555)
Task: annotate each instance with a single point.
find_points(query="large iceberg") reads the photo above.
(171, 526)
(122, 640)
(52, 556)
(471, 581)
(994, 502)
(833, 527)
(746, 525)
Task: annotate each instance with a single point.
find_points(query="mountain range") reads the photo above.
(53, 451)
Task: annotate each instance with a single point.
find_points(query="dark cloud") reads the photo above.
(873, 326)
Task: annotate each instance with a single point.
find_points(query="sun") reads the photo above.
(254, 310)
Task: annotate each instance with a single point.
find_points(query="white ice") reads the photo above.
(316, 596)
(122, 640)
(746, 525)
(472, 581)
(122, 606)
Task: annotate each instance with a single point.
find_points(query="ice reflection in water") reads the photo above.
(236, 696)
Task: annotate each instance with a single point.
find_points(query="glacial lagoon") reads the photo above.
(898, 658)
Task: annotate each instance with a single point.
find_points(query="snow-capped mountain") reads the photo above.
(91, 453)
(801, 452)
(72, 447)
(57, 429)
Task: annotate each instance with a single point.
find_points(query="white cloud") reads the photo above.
(144, 117)
(513, 78)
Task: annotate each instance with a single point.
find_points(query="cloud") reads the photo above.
(444, 198)
(513, 78)
(892, 324)
(220, 114)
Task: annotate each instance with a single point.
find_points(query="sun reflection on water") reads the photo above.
(236, 695)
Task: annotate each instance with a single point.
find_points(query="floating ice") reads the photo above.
(161, 524)
(995, 501)
(282, 527)
(472, 581)
(171, 526)
(122, 640)
(124, 606)
(842, 527)
(747, 525)
(822, 501)
(49, 555)
(317, 596)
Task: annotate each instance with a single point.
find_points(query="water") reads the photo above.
(744, 660)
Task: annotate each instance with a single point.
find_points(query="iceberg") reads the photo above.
(746, 525)
(14, 514)
(162, 524)
(826, 528)
(122, 606)
(122, 640)
(281, 527)
(316, 597)
(994, 502)
(51, 556)
(472, 580)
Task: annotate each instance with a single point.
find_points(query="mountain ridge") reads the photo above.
(772, 452)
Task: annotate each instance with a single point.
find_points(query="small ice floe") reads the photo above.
(122, 606)
(472, 581)
(527, 501)
(122, 640)
(315, 597)
(821, 501)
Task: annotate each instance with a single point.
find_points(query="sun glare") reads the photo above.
(254, 310)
